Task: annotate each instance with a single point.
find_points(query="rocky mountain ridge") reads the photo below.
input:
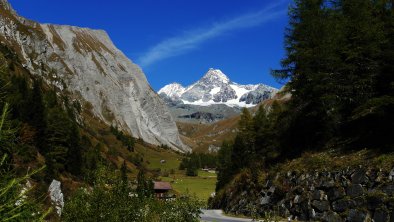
(86, 64)
(216, 88)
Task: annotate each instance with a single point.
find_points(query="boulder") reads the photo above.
(358, 216)
(56, 195)
(318, 195)
(321, 205)
(381, 215)
(342, 205)
(360, 176)
(327, 183)
(297, 199)
(360, 201)
(265, 200)
(388, 189)
(374, 202)
(331, 217)
(355, 190)
(391, 175)
(336, 193)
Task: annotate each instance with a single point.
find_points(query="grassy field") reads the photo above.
(154, 155)
(201, 186)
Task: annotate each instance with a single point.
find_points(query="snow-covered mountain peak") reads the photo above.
(172, 90)
(215, 76)
(216, 88)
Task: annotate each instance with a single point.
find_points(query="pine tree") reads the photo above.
(224, 167)
(57, 141)
(144, 186)
(37, 115)
(123, 175)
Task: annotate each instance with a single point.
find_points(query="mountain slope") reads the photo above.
(86, 63)
(209, 137)
(216, 88)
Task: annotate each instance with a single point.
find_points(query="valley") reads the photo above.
(85, 137)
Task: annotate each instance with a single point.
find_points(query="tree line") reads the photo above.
(194, 161)
(339, 69)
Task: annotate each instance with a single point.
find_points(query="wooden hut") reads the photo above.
(161, 188)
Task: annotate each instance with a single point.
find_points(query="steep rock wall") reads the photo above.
(86, 63)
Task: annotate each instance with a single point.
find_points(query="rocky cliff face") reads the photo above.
(86, 63)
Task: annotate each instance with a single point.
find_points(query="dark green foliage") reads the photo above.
(37, 115)
(91, 159)
(243, 149)
(192, 171)
(47, 122)
(123, 174)
(144, 186)
(339, 61)
(117, 202)
(16, 203)
(340, 73)
(224, 165)
(194, 161)
(254, 147)
(372, 124)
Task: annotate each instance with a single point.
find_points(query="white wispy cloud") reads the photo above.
(191, 39)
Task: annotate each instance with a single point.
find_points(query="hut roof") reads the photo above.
(160, 185)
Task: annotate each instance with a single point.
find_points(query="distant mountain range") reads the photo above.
(216, 88)
(214, 97)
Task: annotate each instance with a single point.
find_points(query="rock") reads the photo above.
(213, 149)
(255, 97)
(360, 201)
(331, 217)
(381, 215)
(374, 202)
(56, 195)
(342, 205)
(355, 190)
(265, 200)
(391, 175)
(359, 176)
(226, 93)
(271, 190)
(203, 117)
(336, 193)
(358, 216)
(297, 199)
(390, 203)
(327, 183)
(283, 210)
(388, 189)
(344, 181)
(321, 205)
(318, 195)
(298, 190)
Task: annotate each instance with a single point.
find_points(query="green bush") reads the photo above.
(117, 202)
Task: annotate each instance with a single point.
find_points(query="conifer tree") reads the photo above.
(37, 115)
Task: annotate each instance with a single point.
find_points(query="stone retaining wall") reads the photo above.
(361, 194)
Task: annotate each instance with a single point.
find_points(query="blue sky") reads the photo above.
(178, 40)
